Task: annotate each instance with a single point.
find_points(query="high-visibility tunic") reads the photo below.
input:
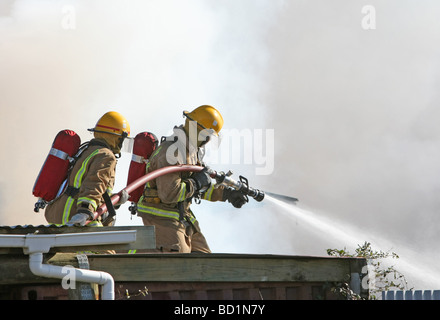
(169, 197)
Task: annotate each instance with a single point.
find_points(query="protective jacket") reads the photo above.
(91, 176)
(170, 195)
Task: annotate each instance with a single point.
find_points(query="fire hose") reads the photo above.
(241, 185)
(142, 181)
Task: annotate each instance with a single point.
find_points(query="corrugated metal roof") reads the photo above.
(29, 226)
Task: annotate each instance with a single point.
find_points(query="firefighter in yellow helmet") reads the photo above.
(92, 176)
(166, 200)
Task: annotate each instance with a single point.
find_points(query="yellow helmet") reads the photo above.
(207, 117)
(112, 122)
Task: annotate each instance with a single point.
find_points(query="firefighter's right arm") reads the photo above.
(201, 180)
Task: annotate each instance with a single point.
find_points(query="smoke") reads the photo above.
(353, 111)
(63, 64)
(50, 79)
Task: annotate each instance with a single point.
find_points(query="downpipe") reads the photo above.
(35, 245)
(90, 276)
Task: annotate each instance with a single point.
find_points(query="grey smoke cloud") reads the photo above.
(354, 111)
(356, 104)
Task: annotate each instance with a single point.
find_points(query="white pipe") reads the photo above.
(50, 271)
(35, 245)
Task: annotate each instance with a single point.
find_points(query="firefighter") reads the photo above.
(165, 202)
(92, 175)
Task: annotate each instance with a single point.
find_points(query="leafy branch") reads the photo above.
(380, 277)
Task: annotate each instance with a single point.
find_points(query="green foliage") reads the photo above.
(380, 278)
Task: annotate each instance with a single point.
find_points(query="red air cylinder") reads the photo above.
(55, 168)
(144, 145)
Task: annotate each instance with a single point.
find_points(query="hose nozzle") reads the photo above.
(242, 185)
(258, 195)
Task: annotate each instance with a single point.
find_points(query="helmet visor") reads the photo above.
(210, 135)
(127, 145)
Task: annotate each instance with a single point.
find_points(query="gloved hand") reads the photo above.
(235, 197)
(79, 219)
(123, 198)
(202, 180)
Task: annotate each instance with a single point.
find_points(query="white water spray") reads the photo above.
(332, 231)
(409, 263)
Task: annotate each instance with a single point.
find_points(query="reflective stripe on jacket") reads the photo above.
(93, 174)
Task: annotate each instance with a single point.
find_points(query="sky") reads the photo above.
(332, 102)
